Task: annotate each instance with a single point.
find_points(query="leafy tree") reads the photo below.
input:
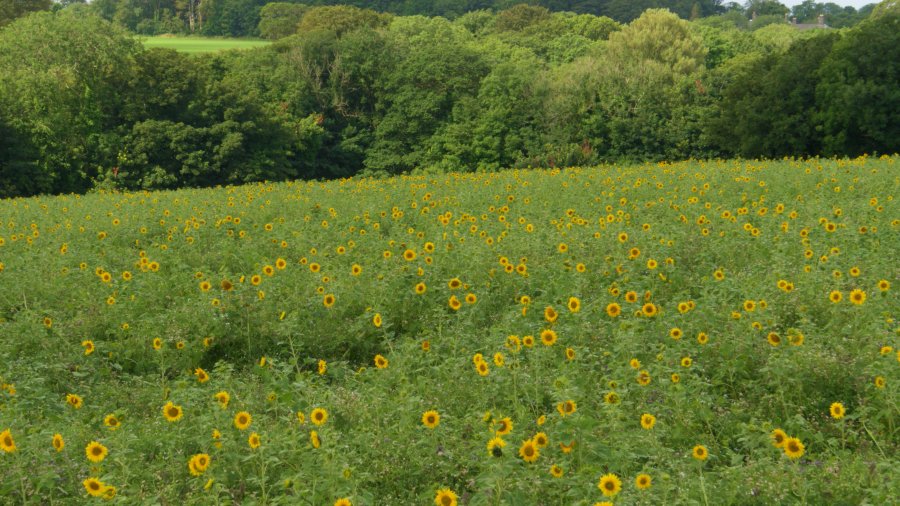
(12, 9)
(769, 109)
(859, 93)
(62, 77)
(280, 19)
(341, 19)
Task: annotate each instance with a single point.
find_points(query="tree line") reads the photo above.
(241, 18)
(353, 91)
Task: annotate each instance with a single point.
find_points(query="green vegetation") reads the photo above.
(358, 92)
(200, 44)
(380, 334)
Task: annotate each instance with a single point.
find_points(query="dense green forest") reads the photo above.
(346, 91)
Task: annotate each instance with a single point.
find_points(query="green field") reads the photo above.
(202, 44)
(697, 333)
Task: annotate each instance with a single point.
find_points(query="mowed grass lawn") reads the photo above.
(202, 44)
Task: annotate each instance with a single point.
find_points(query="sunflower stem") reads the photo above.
(873, 439)
(703, 487)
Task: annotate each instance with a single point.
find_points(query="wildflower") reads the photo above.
(643, 481)
(529, 451)
(778, 437)
(610, 485)
(431, 419)
(111, 421)
(7, 443)
(445, 497)
(837, 410)
(93, 486)
(74, 400)
(172, 412)
(700, 452)
(58, 442)
(223, 398)
(201, 375)
(318, 416)
(793, 448)
(242, 420)
(95, 451)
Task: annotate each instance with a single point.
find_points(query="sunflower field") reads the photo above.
(703, 332)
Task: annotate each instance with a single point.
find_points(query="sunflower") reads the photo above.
(253, 441)
(471, 298)
(702, 338)
(356, 270)
(529, 451)
(613, 309)
(6, 441)
(719, 275)
(280, 264)
(676, 377)
(643, 481)
(88, 346)
(567, 448)
(649, 309)
(570, 354)
(409, 255)
(837, 410)
(431, 419)
(643, 378)
(749, 306)
(482, 368)
(550, 314)
(648, 421)
(610, 485)
(318, 416)
(675, 333)
(884, 285)
(574, 304)
(255, 279)
(445, 497)
(528, 341)
(198, 464)
(112, 421)
(420, 288)
(880, 382)
(242, 420)
(314, 439)
(381, 362)
(778, 437)
(611, 398)
(226, 285)
(321, 367)
(343, 501)
(700, 452)
(454, 303)
(548, 337)
(74, 400)
(857, 297)
(172, 412)
(793, 448)
(202, 376)
(223, 398)
(835, 296)
(686, 361)
(773, 338)
(58, 442)
(495, 445)
(95, 451)
(454, 283)
(556, 471)
(328, 300)
(505, 426)
(94, 487)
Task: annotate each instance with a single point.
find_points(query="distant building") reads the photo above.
(820, 24)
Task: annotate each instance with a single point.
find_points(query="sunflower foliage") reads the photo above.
(702, 332)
